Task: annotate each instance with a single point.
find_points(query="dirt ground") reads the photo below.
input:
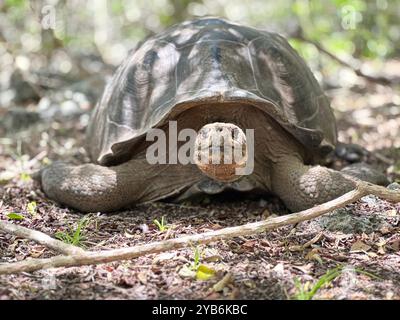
(361, 240)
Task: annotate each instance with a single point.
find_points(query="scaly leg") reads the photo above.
(92, 188)
(302, 187)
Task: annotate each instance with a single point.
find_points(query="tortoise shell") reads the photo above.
(209, 60)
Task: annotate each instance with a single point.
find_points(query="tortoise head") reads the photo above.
(221, 149)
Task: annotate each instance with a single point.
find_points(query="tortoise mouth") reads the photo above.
(220, 149)
(221, 172)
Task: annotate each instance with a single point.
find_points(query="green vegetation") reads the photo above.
(161, 225)
(304, 292)
(201, 271)
(25, 177)
(15, 216)
(364, 29)
(307, 291)
(196, 259)
(196, 269)
(74, 236)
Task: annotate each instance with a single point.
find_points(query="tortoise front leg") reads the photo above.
(302, 187)
(93, 188)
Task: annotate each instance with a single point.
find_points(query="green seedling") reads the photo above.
(74, 237)
(196, 269)
(196, 259)
(306, 293)
(161, 225)
(202, 271)
(368, 274)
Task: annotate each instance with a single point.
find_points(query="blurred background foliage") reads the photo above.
(109, 28)
(56, 55)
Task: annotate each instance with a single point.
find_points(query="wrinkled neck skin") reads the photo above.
(271, 141)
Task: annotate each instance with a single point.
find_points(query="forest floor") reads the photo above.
(359, 245)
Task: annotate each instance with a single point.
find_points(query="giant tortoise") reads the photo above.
(212, 76)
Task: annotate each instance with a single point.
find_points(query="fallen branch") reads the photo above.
(90, 257)
(39, 237)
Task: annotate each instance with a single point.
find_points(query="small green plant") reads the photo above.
(74, 237)
(162, 225)
(306, 293)
(202, 271)
(368, 274)
(31, 208)
(15, 216)
(196, 269)
(25, 177)
(196, 259)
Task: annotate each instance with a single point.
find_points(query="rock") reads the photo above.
(279, 269)
(366, 172)
(394, 186)
(187, 272)
(370, 199)
(344, 220)
(350, 152)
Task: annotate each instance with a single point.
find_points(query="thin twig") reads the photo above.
(39, 237)
(90, 257)
(381, 157)
(376, 79)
